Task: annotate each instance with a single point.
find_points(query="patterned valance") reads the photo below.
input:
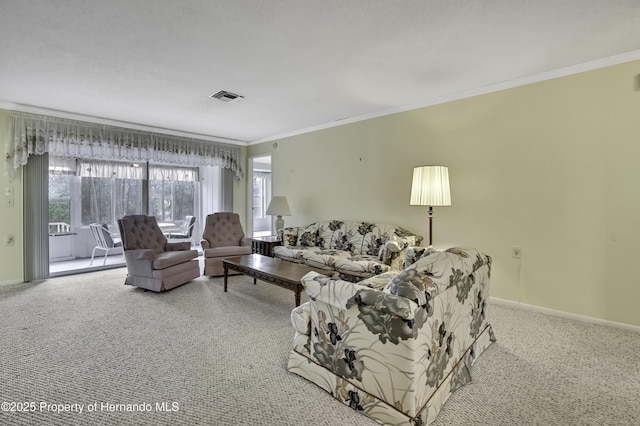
(37, 134)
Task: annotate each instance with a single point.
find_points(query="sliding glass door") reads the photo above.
(83, 192)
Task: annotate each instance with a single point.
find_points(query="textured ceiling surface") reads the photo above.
(299, 64)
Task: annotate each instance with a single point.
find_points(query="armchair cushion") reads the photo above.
(167, 259)
(227, 251)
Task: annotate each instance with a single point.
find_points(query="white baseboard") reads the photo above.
(577, 317)
(10, 282)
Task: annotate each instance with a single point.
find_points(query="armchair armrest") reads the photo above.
(140, 261)
(178, 246)
(330, 291)
(143, 254)
(204, 244)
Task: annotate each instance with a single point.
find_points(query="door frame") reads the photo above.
(250, 196)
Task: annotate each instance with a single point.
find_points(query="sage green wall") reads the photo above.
(552, 167)
(11, 269)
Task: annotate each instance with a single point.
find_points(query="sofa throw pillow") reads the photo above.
(308, 236)
(413, 254)
(289, 236)
(363, 238)
(333, 235)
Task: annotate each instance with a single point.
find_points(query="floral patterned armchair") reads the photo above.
(395, 346)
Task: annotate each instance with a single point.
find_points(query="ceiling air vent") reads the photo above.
(227, 97)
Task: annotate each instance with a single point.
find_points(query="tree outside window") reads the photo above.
(171, 200)
(60, 198)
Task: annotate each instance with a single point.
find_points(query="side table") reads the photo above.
(264, 245)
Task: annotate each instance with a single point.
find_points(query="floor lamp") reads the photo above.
(430, 187)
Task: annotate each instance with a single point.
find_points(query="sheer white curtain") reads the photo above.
(183, 174)
(108, 169)
(36, 134)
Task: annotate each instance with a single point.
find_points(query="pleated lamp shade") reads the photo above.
(430, 186)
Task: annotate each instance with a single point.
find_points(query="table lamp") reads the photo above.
(279, 207)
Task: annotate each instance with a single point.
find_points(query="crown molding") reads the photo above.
(504, 85)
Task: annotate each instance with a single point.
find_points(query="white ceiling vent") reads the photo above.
(227, 97)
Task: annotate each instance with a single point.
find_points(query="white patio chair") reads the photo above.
(106, 240)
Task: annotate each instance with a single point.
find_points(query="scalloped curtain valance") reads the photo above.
(37, 134)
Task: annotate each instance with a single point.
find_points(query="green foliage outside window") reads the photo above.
(60, 198)
(60, 211)
(171, 200)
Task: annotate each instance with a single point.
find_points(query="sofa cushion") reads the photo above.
(361, 266)
(308, 235)
(361, 249)
(413, 254)
(289, 236)
(333, 235)
(294, 253)
(363, 237)
(324, 259)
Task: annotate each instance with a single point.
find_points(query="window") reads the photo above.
(109, 190)
(172, 192)
(105, 200)
(60, 199)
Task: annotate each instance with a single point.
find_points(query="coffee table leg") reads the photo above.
(297, 297)
(226, 274)
(254, 281)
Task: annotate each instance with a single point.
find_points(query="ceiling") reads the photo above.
(299, 64)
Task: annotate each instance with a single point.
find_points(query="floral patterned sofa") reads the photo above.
(355, 250)
(395, 346)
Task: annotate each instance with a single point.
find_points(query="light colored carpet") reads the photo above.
(221, 358)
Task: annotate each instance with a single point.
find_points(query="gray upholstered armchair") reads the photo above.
(152, 262)
(222, 237)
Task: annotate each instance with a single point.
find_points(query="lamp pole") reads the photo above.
(430, 225)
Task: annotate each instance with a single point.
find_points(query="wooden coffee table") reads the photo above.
(275, 271)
